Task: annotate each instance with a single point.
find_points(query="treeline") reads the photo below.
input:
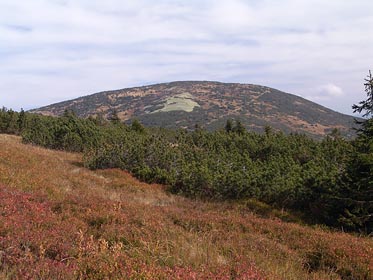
(64, 133)
(286, 171)
(330, 181)
(12, 122)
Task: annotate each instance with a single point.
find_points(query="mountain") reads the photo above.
(209, 104)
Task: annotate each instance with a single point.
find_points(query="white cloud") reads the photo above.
(326, 92)
(52, 50)
(331, 90)
(231, 15)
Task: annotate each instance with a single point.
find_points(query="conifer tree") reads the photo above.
(114, 118)
(137, 126)
(229, 125)
(239, 127)
(358, 196)
(21, 120)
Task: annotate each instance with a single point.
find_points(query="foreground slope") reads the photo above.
(209, 104)
(59, 220)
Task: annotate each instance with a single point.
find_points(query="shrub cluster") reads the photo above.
(330, 181)
(287, 171)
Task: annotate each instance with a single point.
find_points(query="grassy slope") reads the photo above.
(60, 220)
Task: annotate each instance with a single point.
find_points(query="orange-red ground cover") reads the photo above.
(59, 220)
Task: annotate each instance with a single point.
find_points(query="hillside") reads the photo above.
(209, 104)
(59, 220)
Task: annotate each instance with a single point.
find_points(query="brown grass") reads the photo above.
(60, 220)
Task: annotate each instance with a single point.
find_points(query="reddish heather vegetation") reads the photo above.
(59, 220)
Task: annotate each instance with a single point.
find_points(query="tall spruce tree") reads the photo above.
(228, 125)
(114, 118)
(358, 212)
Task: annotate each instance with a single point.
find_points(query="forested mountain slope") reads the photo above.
(209, 104)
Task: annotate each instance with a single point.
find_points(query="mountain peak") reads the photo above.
(183, 104)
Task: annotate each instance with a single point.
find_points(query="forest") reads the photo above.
(329, 181)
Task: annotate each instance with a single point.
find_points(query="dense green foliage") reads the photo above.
(291, 171)
(65, 133)
(12, 122)
(357, 193)
(330, 181)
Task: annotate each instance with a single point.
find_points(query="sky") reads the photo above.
(55, 50)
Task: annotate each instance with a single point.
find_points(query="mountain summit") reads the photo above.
(209, 104)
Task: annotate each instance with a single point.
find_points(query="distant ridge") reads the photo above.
(184, 104)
